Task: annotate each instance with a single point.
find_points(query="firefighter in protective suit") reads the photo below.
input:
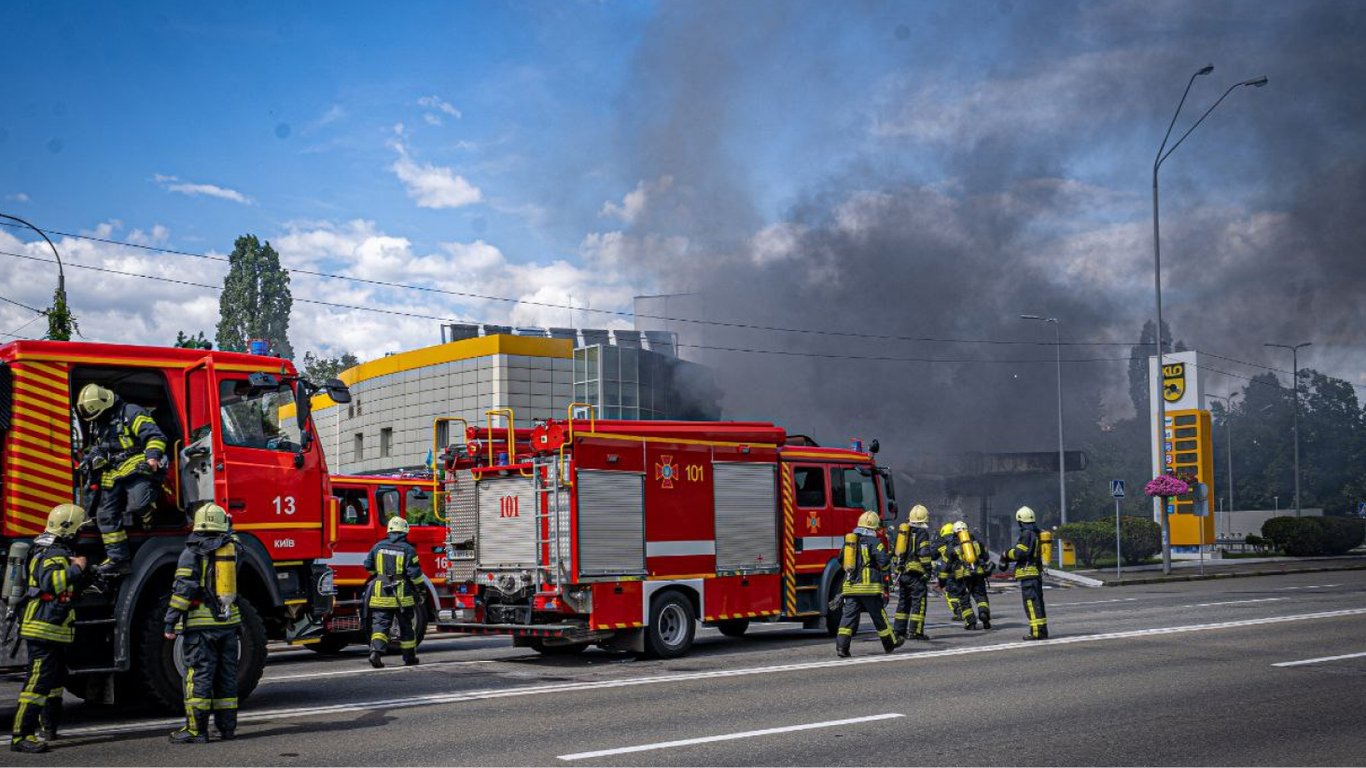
(396, 583)
(1027, 554)
(865, 561)
(955, 592)
(129, 453)
(972, 567)
(912, 565)
(204, 609)
(54, 574)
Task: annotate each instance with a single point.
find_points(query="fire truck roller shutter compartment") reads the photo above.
(507, 523)
(611, 523)
(461, 512)
(746, 517)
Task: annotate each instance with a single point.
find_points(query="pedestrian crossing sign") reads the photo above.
(1117, 488)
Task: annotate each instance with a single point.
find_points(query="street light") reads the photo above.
(61, 275)
(1228, 435)
(1295, 357)
(1062, 462)
(1161, 157)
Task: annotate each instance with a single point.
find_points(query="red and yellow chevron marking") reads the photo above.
(789, 547)
(37, 468)
(746, 615)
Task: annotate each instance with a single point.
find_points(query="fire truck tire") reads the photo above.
(330, 645)
(672, 627)
(572, 649)
(832, 618)
(733, 627)
(156, 656)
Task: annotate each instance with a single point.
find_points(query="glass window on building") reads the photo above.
(358, 447)
(386, 442)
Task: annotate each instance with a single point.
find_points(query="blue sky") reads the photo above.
(579, 153)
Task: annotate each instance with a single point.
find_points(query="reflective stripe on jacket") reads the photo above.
(131, 437)
(870, 563)
(394, 564)
(1027, 553)
(51, 585)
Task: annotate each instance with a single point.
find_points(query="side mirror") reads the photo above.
(874, 447)
(337, 390)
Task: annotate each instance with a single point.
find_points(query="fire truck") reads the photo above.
(626, 534)
(364, 506)
(238, 433)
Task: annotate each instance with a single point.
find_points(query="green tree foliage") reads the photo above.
(1139, 539)
(256, 301)
(319, 369)
(60, 322)
(1310, 536)
(1090, 539)
(197, 341)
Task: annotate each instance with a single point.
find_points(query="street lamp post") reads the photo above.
(61, 274)
(1295, 358)
(1062, 459)
(1228, 436)
(1157, 270)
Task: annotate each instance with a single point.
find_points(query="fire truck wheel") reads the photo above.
(672, 626)
(557, 650)
(733, 627)
(156, 661)
(832, 617)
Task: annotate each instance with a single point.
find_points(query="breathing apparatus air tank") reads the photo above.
(1046, 546)
(225, 578)
(15, 585)
(903, 540)
(849, 558)
(969, 552)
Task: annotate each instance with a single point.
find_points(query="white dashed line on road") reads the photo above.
(727, 737)
(1319, 660)
(1237, 602)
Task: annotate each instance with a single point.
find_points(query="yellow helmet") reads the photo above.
(960, 526)
(397, 525)
(211, 518)
(918, 515)
(64, 519)
(946, 529)
(1024, 515)
(94, 400)
(869, 520)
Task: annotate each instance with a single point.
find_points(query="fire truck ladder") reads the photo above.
(551, 516)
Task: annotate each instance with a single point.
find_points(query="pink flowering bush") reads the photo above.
(1166, 486)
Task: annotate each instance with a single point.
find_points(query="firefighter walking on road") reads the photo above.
(914, 560)
(955, 591)
(397, 579)
(865, 561)
(971, 570)
(54, 574)
(128, 453)
(204, 610)
(1028, 556)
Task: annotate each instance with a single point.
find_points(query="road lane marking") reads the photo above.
(682, 677)
(367, 670)
(1313, 586)
(727, 737)
(1237, 602)
(1098, 602)
(1318, 660)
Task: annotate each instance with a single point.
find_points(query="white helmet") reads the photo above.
(960, 526)
(1024, 515)
(397, 525)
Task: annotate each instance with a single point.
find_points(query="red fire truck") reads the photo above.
(365, 504)
(240, 435)
(627, 533)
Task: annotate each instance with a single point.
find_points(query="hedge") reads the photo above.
(1311, 536)
(1140, 539)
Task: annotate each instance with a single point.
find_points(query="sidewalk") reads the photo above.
(1189, 570)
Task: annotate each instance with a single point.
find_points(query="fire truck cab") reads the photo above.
(238, 433)
(628, 533)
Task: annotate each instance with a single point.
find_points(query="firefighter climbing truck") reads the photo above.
(627, 533)
(238, 433)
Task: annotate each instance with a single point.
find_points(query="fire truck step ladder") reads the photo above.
(547, 482)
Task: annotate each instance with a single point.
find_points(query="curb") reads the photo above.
(1074, 579)
(1228, 575)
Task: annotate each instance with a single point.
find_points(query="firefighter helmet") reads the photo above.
(869, 520)
(397, 525)
(64, 519)
(94, 400)
(211, 518)
(959, 526)
(946, 529)
(919, 516)
(1024, 515)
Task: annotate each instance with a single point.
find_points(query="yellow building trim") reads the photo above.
(464, 349)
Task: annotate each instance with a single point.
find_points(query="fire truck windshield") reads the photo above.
(251, 418)
(852, 488)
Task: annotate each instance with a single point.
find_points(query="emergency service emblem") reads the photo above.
(1173, 381)
(665, 471)
(813, 521)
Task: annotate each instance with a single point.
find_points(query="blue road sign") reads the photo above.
(1117, 488)
(1361, 509)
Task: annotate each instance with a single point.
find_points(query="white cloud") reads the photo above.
(440, 105)
(18, 197)
(432, 186)
(173, 184)
(635, 201)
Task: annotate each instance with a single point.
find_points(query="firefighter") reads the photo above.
(865, 561)
(396, 582)
(955, 593)
(129, 454)
(54, 573)
(973, 566)
(914, 560)
(1027, 554)
(204, 609)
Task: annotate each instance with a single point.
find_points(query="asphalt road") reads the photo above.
(1171, 674)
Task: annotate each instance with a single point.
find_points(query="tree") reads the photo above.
(192, 342)
(318, 369)
(60, 322)
(256, 301)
